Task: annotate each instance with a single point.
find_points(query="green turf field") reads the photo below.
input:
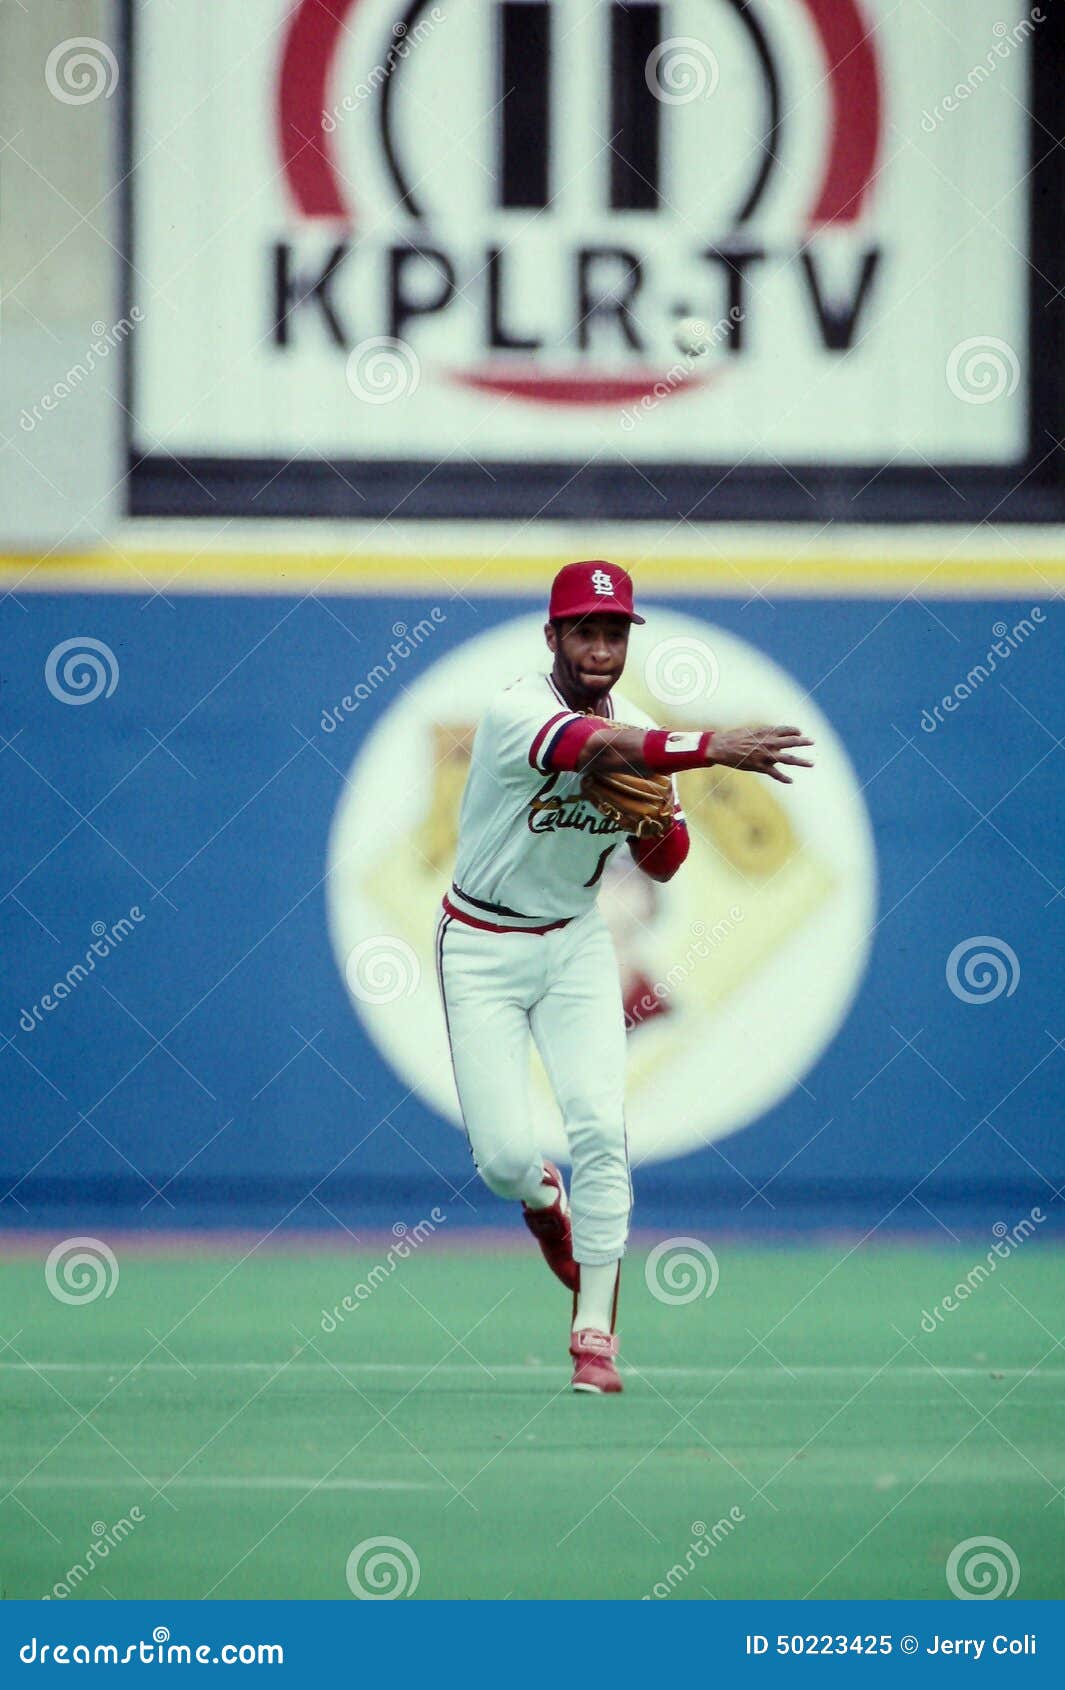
(845, 1450)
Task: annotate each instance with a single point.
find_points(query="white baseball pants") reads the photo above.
(562, 987)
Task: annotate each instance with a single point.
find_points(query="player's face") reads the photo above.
(589, 653)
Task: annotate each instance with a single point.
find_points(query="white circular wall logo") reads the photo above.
(767, 923)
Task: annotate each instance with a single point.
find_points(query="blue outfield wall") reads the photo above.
(182, 1063)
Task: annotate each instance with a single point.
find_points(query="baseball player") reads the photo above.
(563, 772)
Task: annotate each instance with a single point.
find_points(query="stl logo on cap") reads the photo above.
(589, 587)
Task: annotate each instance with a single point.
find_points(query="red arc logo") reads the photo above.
(311, 41)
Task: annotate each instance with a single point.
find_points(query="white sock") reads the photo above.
(595, 1299)
(544, 1197)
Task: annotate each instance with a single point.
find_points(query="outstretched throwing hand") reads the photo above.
(761, 750)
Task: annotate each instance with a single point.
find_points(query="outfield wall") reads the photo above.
(244, 800)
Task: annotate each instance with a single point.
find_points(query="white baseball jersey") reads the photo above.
(531, 850)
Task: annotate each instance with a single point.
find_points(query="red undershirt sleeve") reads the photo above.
(566, 749)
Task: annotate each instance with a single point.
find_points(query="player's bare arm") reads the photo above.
(760, 750)
(590, 654)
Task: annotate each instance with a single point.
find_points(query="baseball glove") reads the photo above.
(641, 804)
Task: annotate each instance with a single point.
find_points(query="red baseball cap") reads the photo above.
(583, 589)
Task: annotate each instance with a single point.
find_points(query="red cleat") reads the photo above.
(593, 1357)
(552, 1231)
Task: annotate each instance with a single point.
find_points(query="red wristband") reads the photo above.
(666, 752)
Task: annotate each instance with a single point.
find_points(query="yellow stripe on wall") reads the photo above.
(177, 572)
